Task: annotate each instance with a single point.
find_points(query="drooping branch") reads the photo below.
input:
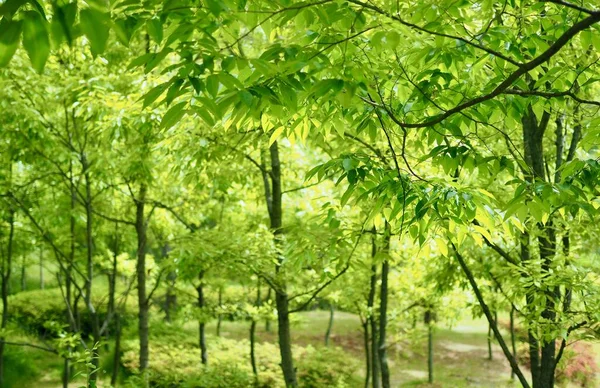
(488, 314)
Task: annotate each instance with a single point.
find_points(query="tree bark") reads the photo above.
(219, 317)
(383, 303)
(281, 297)
(23, 275)
(429, 323)
(366, 339)
(117, 356)
(141, 227)
(329, 324)
(201, 323)
(6, 270)
(90, 274)
(489, 343)
(372, 319)
(253, 334)
(41, 268)
(513, 339)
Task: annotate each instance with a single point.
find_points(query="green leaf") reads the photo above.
(212, 85)
(173, 115)
(94, 25)
(154, 93)
(36, 40)
(155, 29)
(10, 31)
(275, 135)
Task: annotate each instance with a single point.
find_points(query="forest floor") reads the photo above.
(460, 352)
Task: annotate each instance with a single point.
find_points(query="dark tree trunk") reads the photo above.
(329, 324)
(201, 323)
(274, 205)
(268, 321)
(117, 357)
(41, 268)
(429, 323)
(366, 339)
(542, 368)
(6, 270)
(253, 334)
(23, 275)
(513, 341)
(171, 298)
(89, 239)
(219, 316)
(372, 318)
(383, 302)
(489, 343)
(141, 228)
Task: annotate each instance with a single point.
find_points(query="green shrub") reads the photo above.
(32, 310)
(175, 362)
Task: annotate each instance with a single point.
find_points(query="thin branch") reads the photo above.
(571, 5)
(31, 346)
(538, 93)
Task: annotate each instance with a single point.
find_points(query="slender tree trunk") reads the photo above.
(6, 270)
(513, 339)
(366, 339)
(429, 322)
(274, 204)
(489, 343)
(41, 268)
(201, 323)
(383, 302)
(372, 318)
(253, 334)
(329, 324)
(268, 321)
(141, 227)
(171, 299)
(23, 275)
(90, 274)
(219, 316)
(117, 357)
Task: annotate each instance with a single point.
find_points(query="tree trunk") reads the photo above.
(219, 316)
(366, 339)
(90, 274)
(489, 343)
(117, 357)
(252, 347)
(253, 334)
(171, 299)
(429, 347)
(274, 205)
(41, 268)
(23, 275)
(372, 319)
(140, 227)
(542, 368)
(268, 321)
(201, 323)
(383, 302)
(512, 338)
(330, 324)
(6, 270)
